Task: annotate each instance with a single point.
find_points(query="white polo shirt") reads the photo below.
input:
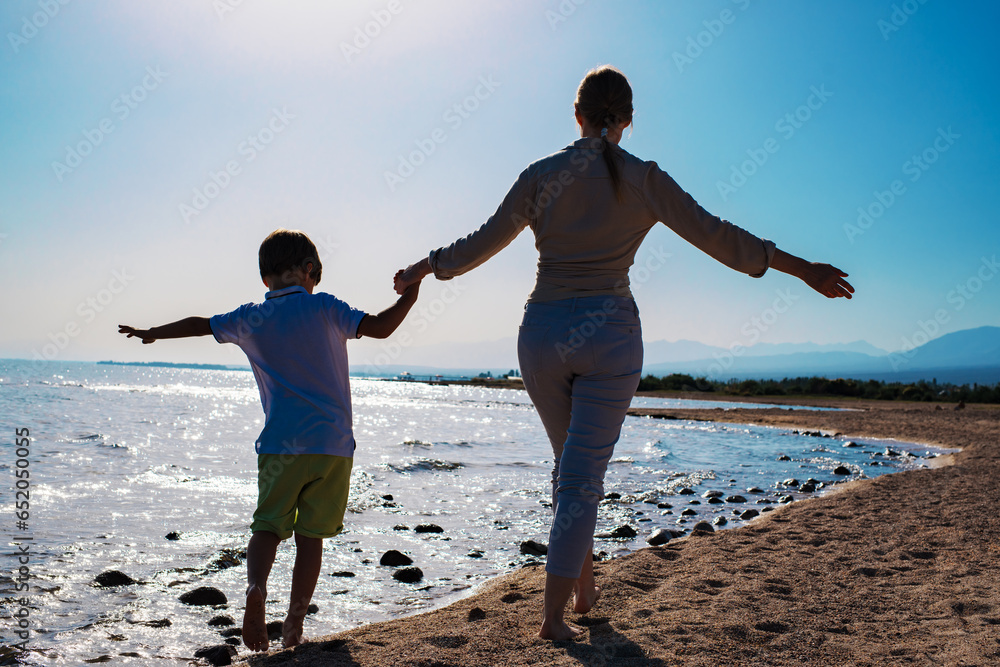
(297, 346)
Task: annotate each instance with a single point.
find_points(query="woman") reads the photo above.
(580, 346)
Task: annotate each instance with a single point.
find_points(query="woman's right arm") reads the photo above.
(516, 211)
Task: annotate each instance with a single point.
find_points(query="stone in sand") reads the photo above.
(429, 528)
(408, 575)
(533, 548)
(394, 558)
(113, 578)
(662, 536)
(702, 527)
(748, 514)
(220, 654)
(204, 596)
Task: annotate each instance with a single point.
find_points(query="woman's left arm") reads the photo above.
(826, 279)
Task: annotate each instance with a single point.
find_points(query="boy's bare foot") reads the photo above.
(291, 632)
(254, 624)
(584, 603)
(558, 630)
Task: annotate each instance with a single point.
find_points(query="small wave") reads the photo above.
(423, 464)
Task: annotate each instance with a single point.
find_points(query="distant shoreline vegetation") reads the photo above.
(167, 364)
(820, 386)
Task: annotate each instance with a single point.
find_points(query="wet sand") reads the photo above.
(900, 570)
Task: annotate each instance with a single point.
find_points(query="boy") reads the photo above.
(296, 343)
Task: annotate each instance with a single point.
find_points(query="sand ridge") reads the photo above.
(903, 569)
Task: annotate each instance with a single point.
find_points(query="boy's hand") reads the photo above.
(411, 275)
(131, 332)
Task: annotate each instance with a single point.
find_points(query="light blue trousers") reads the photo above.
(581, 360)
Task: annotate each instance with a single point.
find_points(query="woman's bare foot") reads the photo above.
(291, 632)
(254, 624)
(584, 603)
(558, 630)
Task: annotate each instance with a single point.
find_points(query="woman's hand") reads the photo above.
(414, 273)
(826, 279)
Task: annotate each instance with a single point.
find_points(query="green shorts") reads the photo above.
(304, 494)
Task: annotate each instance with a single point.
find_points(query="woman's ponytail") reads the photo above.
(604, 98)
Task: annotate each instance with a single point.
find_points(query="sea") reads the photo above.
(151, 472)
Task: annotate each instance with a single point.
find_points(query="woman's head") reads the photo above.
(604, 100)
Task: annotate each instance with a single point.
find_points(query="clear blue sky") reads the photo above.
(90, 241)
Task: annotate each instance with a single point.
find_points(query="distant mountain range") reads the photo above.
(971, 355)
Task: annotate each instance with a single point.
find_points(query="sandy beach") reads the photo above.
(899, 570)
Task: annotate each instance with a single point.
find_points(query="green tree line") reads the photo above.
(819, 386)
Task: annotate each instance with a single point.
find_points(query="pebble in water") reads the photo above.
(624, 531)
(736, 499)
(221, 654)
(748, 514)
(113, 578)
(533, 548)
(204, 596)
(841, 470)
(428, 528)
(408, 575)
(394, 558)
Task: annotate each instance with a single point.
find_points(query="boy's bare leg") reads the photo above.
(308, 558)
(557, 592)
(586, 592)
(260, 557)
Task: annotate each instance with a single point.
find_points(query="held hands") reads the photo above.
(132, 332)
(411, 275)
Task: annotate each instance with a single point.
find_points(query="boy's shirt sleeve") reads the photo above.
(227, 327)
(343, 317)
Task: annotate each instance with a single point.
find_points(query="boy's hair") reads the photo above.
(287, 249)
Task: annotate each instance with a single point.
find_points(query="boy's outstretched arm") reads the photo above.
(191, 326)
(383, 324)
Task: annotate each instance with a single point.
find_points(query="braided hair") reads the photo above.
(604, 98)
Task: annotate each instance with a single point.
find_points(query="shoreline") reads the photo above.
(878, 572)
